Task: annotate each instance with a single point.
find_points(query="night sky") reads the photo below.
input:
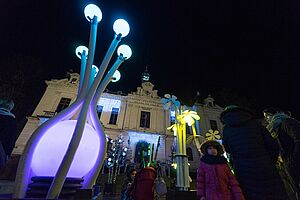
(250, 48)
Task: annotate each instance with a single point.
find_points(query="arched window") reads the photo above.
(189, 153)
(140, 149)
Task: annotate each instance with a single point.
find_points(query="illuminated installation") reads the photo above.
(47, 165)
(76, 138)
(182, 118)
(116, 77)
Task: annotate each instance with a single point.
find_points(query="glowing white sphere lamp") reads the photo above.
(80, 49)
(95, 70)
(121, 27)
(92, 10)
(52, 147)
(116, 77)
(125, 50)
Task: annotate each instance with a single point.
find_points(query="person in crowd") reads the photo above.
(254, 153)
(143, 184)
(128, 181)
(215, 180)
(8, 130)
(286, 130)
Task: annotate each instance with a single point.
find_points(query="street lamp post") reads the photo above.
(89, 93)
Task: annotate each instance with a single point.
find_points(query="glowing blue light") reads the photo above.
(51, 148)
(125, 149)
(116, 77)
(92, 10)
(121, 26)
(124, 154)
(125, 50)
(109, 159)
(79, 51)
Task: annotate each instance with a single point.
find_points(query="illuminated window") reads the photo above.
(145, 119)
(64, 102)
(99, 110)
(114, 116)
(141, 152)
(172, 117)
(213, 125)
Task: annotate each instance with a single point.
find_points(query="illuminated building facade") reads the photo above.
(139, 116)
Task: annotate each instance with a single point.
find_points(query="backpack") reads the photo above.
(160, 184)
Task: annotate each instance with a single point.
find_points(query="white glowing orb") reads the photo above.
(125, 50)
(95, 70)
(116, 77)
(92, 10)
(53, 145)
(79, 50)
(121, 26)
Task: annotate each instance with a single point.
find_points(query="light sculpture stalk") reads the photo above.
(89, 92)
(182, 118)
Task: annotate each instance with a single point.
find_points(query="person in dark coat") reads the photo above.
(8, 130)
(128, 182)
(215, 180)
(286, 130)
(254, 153)
(143, 185)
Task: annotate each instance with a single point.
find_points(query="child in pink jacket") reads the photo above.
(214, 178)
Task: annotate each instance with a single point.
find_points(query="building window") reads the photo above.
(210, 104)
(142, 152)
(213, 125)
(64, 102)
(99, 110)
(114, 116)
(145, 119)
(189, 153)
(172, 117)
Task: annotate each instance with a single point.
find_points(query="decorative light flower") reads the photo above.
(212, 135)
(189, 117)
(170, 102)
(173, 128)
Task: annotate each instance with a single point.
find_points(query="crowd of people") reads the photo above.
(265, 159)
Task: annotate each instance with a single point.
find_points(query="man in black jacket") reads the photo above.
(286, 130)
(254, 153)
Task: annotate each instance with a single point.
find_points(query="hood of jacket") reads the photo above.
(236, 117)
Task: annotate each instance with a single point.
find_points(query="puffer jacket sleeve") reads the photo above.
(236, 191)
(292, 128)
(271, 144)
(201, 181)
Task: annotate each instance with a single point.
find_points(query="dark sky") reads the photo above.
(249, 47)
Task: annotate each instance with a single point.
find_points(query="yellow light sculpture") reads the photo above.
(182, 119)
(212, 135)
